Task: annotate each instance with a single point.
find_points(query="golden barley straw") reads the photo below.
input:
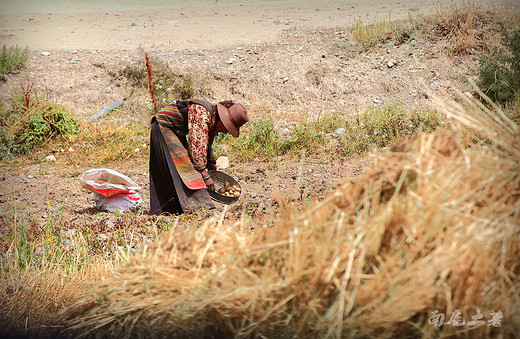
(432, 226)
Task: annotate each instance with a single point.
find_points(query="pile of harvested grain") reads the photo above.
(429, 237)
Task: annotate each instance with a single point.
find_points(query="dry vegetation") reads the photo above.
(432, 227)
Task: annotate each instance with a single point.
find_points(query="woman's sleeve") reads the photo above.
(198, 121)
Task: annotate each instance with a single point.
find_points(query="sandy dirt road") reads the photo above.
(113, 25)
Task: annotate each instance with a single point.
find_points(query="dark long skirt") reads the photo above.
(168, 194)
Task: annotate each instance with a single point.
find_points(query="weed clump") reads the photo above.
(12, 59)
(499, 72)
(46, 121)
(24, 127)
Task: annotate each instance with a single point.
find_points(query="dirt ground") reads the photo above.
(303, 73)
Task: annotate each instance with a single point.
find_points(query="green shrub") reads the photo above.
(45, 121)
(12, 59)
(499, 72)
(24, 128)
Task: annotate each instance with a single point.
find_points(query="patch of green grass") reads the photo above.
(102, 146)
(313, 135)
(259, 139)
(12, 58)
(383, 126)
(329, 134)
(392, 33)
(368, 36)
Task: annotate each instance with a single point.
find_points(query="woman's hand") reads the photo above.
(210, 184)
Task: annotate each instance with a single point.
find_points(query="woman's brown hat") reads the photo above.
(232, 117)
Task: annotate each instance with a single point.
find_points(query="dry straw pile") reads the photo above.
(432, 230)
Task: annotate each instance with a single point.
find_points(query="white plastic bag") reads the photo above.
(107, 182)
(112, 190)
(118, 202)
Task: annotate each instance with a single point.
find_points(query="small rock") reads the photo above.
(38, 251)
(285, 132)
(50, 158)
(110, 224)
(390, 64)
(339, 131)
(222, 163)
(230, 61)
